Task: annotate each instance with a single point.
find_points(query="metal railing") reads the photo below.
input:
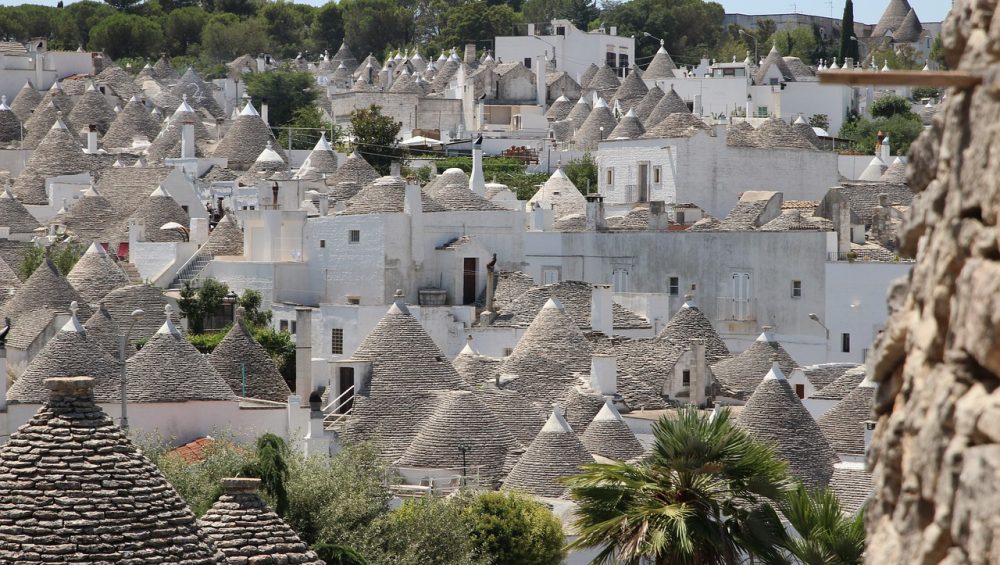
(444, 485)
(730, 309)
(191, 268)
(855, 257)
(337, 404)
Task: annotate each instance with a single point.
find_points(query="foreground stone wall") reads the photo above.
(936, 450)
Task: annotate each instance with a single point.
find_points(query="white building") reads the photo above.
(568, 48)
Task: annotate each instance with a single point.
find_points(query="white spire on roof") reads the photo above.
(249, 110)
(73, 324)
(927, 66)
(3, 103)
(96, 249)
(323, 144)
(600, 103)
(59, 122)
(800, 120)
(766, 336)
(562, 98)
(91, 191)
(689, 302)
(184, 107)
(663, 49)
(630, 113)
(269, 155)
(7, 194)
(118, 163)
(775, 373)
(608, 412)
(159, 192)
(90, 86)
(885, 66)
(553, 303)
(168, 326)
(56, 87)
(468, 349)
(556, 423)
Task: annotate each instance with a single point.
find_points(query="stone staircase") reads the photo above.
(190, 271)
(133, 273)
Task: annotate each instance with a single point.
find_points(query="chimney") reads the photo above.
(658, 218)
(869, 430)
(698, 372)
(413, 206)
(487, 316)
(477, 181)
(601, 309)
(4, 383)
(604, 374)
(884, 150)
(848, 63)
(263, 110)
(540, 85)
(187, 141)
(274, 195)
(324, 204)
(68, 393)
(541, 219)
(240, 485)
(303, 351)
(595, 213)
(531, 29)
(395, 169)
(92, 139)
(470, 54)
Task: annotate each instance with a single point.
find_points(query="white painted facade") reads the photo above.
(568, 48)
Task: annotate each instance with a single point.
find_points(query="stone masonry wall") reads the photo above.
(936, 450)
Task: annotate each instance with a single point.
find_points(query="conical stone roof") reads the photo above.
(164, 71)
(741, 134)
(25, 102)
(144, 74)
(843, 425)
(807, 132)
(461, 419)
(448, 177)
(43, 119)
(93, 109)
(70, 450)
(605, 82)
(119, 81)
(741, 374)
(90, 218)
(159, 209)
(892, 18)
(247, 367)
(121, 302)
(14, 215)
(476, 370)
(690, 322)
(345, 56)
(579, 405)
(775, 132)
(132, 121)
(58, 154)
(631, 91)
(458, 198)
(199, 94)
(559, 109)
(71, 352)
(645, 106)
(774, 414)
(679, 124)
(354, 169)
(629, 127)
(560, 194)
(96, 274)
(245, 140)
(578, 115)
(386, 196)
(45, 288)
(842, 385)
(591, 132)
(10, 124)
(321, 159)
(555, 453)
(609, 436)
(909, 30)
(242, 526)
(661, 67)
(895, 173)
(671, 103)
(103, 331)
(588, 75)
(225, 239)
(169, 369)
(874, 171)
(773, 59)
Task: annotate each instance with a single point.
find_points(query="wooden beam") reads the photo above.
(937, 79)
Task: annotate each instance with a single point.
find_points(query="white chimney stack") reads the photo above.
(869, 433)
(604, 374)
(303, 352)
(698, 372)
(885, 150)
(601, 313)
(540, 86)
(187, 141)
(92, 139)
(263, 111)
(4, 383)
(477, 180)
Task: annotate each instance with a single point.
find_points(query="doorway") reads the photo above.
(470, 269)
(345, 380)
(643, 182)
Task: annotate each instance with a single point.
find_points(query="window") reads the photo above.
(796, 289)
(354, 236)
(185, 208)
(550, 275)
(507, 351)
(609, 177)
(674, 286)
(619, 280)
(800, 391)
(656, 175)
(354, 300)
(680, 218)
(283, 325)
(560, 30)
(623, 60)
(611, 59)
(527, 62)
(686, 378)
(293, 327)
(337, 341)
(322, 244)
(845, 343)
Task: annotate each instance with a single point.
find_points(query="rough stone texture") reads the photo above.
(597, 127)
(198, 92)
(386, 196)
(148, 298)
(96, 274)
(741, 374)
(245, 140)
(14, 215)
(26, 101)
(678, 124)
(560, 109)
(936, 449)
(554, 454)
(92, 109)
(225, 239)
(354, 170)
(239, 354)
(133, 120)
(662, 66)
(158, 210)
(74, 489)
(690, 323)
(609, 436)
(58, 153)
(10, 124)
(30, 309)
(119, 81)
(242, 526)
(669, 103)
(645, 106)
(843, 425)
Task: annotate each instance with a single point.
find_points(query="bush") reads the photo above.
(583, 173)
(889, 106)
(510, 529)
(902, 130)
(921, 92)
(63, 255)
(426, 531)
(206, 343)
(199, 483)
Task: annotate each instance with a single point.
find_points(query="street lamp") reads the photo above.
(464, 447)
(816, 319)
(122, 347)
(756, 53)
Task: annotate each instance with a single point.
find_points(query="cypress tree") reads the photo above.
(848, 46)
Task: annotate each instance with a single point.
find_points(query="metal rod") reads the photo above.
(940, 79)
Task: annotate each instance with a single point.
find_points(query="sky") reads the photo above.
(866, 11)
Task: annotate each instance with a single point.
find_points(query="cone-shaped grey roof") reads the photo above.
(629, 127)
(57, 96)
(58, 154)
(45, 288)
(892, 18)
(690, 322)
(267, 163)
(741, 134)
(842, 385)
(96, 274)
(476, 370)
(93, 109)
(609, 436)
(588, 75)
(198, 92)
(114, 490)
(247, 367)
(605, 81)
(169, 369)
(448, 177)
(542, 362)
(670, 103)
(25, 102)
(555, 453)
(775, 132)
(559, 109)
(825, 373)
(245, 140)
(119, 81)
(103, 331)
(631, 91)
(167, 144)
(590, 133)
(405, 84)
(516, 412)
(133, 120)
(461, 419)
(773, 59)
(45, 116)
(406, 367)
(661, 67)
(10, 124)
(242, 526)
(225, 239)
(645, 106)
(8, 278)
(148, 298)
(742, 373)
(345, 56)
(385, 196)
(321, 159)
(70, 353)
(458, 198)
(679, 124)
(909, 30)
(157, 210)
(579, 405)
(578, 115)
(895, 173)
(807, 132)
(14, 215)
(90, 218)
(521, 304)
(146, 73)
(843, 425)
(774, 414)
(354, 169)
(164, 71)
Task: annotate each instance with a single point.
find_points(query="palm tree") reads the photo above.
(827, 535)
(698, 498)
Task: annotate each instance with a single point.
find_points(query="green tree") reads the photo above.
(123, 5)
(471, 21)
(902, 129)
(580, 12)
(125, 35)
(690, 28)
(796, 42)
(511, 529)
(225, 37)
(333, 554)
(251, 301)
(826, 534)
(198, 302)
(305, 128)
(327, 29)
(937, 53)
(583, 172)
(198, 482)
(821, 121)
(698, 497)
(64, 256)
(182, 28)
(80, 18)
(270, 465)
(285, 24)
(900, 58)
(888, 106)
(425, 531)
(848, 41)
(286, 91)
(372, 25)
(375, 137)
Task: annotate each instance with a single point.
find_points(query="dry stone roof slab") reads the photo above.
(198, 92)
(121, 302)
(690, 322)
(92, 109)
(131, 122)
(96, 274)
(645, 106)
(842, 385)
(669, 103)
(354, 169)
(247, 367)
(741, 374)
(681, 124)
(662, 66)
(555, 453)
(609, 436)
(386, 196)
(843, 425)
(25, 102)
(15, 216)
(57, 154)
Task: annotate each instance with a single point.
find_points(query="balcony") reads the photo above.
(729, 309)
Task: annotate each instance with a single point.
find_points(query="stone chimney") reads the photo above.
(540, 85)
(601, 309)
(187, 141)
(477, 180)
(396, 169)
(869, 431)
(470, 54)
(92, 139)
(595, 213)
(659, 220)
(699, 372)
(69, 391)
(324, 204)
(604, 374)
(240, 485)
(303, 352)
(263, 110)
